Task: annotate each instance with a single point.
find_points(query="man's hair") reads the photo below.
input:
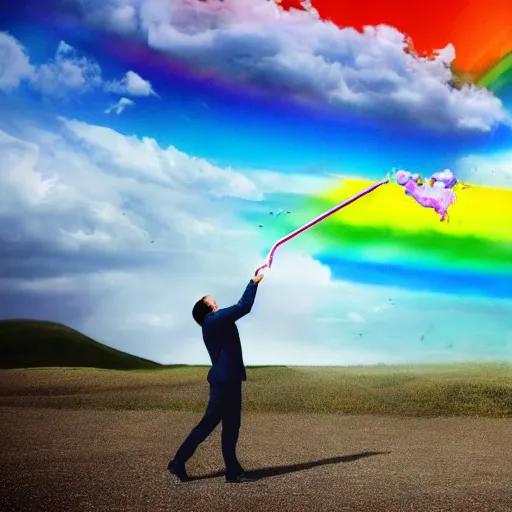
(200, 310)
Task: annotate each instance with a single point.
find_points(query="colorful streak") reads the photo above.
(499, 76)
(389, 230)
(316, 220)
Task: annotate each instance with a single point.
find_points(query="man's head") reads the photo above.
(202, 307)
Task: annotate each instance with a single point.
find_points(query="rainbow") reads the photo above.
(499, 76)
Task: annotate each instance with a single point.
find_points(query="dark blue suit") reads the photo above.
(220, 335)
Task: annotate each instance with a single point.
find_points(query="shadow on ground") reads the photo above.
(257, 474)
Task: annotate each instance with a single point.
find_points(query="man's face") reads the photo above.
(210, 301)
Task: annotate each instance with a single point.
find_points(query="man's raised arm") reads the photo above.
(244, 305)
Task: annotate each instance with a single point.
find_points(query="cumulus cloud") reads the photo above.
(119, 107)
(123, 17)
(131, 84)
(80, 195)
(308, 6)
(144, 159)
(67, 72)
(45, 223)
(309, 59)
(14, 63)
(489, 170)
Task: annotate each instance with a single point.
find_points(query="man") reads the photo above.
(220, 335)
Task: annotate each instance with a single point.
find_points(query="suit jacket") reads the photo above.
(222, 340)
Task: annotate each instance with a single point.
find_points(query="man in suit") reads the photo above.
(222, 340)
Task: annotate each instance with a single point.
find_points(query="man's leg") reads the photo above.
(231, 420)
(204, 428)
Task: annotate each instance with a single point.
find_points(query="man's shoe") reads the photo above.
(178, 470)
(239, 479)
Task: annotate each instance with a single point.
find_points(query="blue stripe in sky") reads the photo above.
(457, 283)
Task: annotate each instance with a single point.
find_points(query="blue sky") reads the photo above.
(114, 223)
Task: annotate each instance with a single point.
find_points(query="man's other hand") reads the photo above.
(257, 279)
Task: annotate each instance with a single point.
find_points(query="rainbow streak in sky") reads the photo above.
(390, 232)
(499, 76)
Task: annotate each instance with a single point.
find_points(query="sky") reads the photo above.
(144, 143)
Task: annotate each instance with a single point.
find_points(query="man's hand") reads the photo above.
(257, 279)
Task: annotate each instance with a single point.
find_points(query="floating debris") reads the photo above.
(280, 211)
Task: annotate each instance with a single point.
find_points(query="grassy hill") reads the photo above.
(33, 343)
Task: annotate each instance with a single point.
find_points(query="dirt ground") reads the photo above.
(79, 460)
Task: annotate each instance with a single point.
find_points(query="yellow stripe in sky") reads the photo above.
(478, 211)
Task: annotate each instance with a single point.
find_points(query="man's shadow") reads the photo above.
(282, 470)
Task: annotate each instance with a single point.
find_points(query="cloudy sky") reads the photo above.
(136, 135)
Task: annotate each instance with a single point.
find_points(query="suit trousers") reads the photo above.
(225, 404)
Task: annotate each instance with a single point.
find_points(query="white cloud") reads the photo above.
(382, 307)
(122, 16)
(308, 6)
(14, 63)
(356, 318)
(77, 185)
(67, 72)
(168, 167)
(132, 84)
(21, 184)
(119, 107)
(489, 170)
(311, 59)
(78, 214)
(273, 182)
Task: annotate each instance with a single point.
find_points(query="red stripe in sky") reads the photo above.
(480, 30)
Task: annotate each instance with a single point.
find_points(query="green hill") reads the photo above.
(33, 343)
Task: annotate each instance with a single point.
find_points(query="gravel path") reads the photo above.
(76, 460)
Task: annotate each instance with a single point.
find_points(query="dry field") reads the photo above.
(92, 460)
(356, 439)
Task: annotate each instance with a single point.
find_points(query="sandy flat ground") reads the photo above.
(80, 460)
